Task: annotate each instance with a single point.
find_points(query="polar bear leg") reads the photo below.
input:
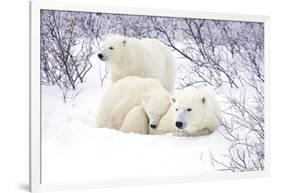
(202, 132)
(181, 133)
(136, 121)
(119, 113)
(191, 130)
(101, 117)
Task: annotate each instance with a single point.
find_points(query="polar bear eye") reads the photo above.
(111, 48)
(176, 109)
(189, 109)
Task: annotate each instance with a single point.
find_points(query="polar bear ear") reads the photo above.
(104, 37)
(203, 100)
(124, 41)
(172, 99)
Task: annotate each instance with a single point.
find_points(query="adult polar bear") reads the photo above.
(139, 57)
(128, 93)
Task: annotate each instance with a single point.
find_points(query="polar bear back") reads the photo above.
(142, 58)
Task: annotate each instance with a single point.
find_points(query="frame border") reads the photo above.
(35, 180)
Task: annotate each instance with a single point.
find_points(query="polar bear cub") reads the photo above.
(196, 111)
(153, 106)
(126, 94)
(139, 57)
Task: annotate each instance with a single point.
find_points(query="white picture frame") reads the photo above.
(35, 94)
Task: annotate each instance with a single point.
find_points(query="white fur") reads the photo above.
(136, 121)
(126, 94)
(140, 118)
(202, 120)
(139, 57)
(155, 105)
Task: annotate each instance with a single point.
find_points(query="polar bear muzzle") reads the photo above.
(179, 125)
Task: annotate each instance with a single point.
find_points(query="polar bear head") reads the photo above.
(189, 109)
(113, 49)
(155, 106)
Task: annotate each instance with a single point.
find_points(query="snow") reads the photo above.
(74, 150)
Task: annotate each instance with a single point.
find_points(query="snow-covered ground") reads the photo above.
(74, 150)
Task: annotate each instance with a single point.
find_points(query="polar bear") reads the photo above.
(139, 57)
(127, 93)
(194, 112)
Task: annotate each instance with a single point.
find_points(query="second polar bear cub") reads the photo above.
(139, 57)
(128, 93)
(146, 115)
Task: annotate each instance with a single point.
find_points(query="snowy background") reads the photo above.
(222, 55)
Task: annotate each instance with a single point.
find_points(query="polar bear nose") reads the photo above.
(100, 55)
(179, 124)
(153, 126)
